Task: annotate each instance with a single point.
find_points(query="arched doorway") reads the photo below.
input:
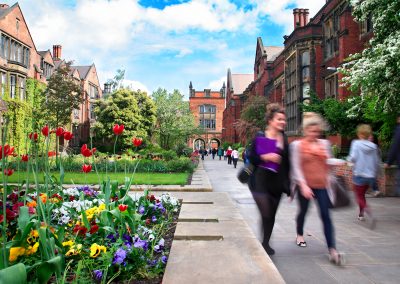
(198, 144)
(215, 143)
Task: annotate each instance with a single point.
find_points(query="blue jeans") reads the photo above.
(324, 204)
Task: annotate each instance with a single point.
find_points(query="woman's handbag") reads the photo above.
(338, 192)
(245, 173)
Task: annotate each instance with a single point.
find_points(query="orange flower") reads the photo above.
(31, 203)
(43, 197)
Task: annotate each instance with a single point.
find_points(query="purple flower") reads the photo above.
(113, 238)
(159, 247)
(152, 262)
(154, 219)
(141, 209)
(127, 239)
(160, 207)
(119, 256)
(164, 259)
(141, 244)
(97, 274)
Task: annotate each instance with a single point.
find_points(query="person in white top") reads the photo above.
(235, 157)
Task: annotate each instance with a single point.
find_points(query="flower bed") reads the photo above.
(89, 235)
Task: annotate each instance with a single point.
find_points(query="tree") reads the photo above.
(63, 95)
(116, 82)
(134, 109)
(375, 71)
(252, 117)
(175, 122)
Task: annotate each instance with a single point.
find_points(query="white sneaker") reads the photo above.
(377, 193)
(361, 218)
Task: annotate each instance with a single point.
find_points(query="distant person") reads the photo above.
(213, 152)
(203, 152)
(364, 156)
(270, 155)
(394, 154)
(310, 173)
(245, 156)
(225, 155)
(228, 155)
(220, 152)
(235, 157)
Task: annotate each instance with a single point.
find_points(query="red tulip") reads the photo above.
(137, 142)
(68, 135)
(45, 130)
(24, 158)
(60, 131)
(86, 152)
(86, 168)
(8, 172)
(51, 153)
(118, 129)
(8, 151)
(122, 207)
(33, 136)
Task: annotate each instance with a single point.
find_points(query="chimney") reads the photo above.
(306, 12)
(296, 14)
(57, 51)
(4, 6)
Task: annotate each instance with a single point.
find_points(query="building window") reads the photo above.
(21, 83)
(331, 35)
(366, 26)
(76, 113)
(331, 86)
(47, 68)
(92, 113)
(207, 116)
(3, 82)
(93, 92)
(291, 94)
(207, 92)
(14, 51)
(13, 83)
(305, 74)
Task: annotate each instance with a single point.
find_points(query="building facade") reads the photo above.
(207, 106)
(20, 60)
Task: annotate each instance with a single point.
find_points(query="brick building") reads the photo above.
(309, 59)
(207, 107)
(20, 60)
(236, 84)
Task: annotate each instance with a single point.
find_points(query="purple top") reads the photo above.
(266, 145)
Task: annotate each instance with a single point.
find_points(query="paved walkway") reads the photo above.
(372, 256)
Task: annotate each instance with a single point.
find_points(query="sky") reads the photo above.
(162, 43)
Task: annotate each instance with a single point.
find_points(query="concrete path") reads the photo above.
(372, 256)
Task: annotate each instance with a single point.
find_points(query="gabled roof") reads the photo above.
(240, 82)
(272, 52)
(83, 70)
(58, 62)
(4, 12)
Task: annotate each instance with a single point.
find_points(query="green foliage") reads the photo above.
(252, 117)
(63, 95)
(175, 122)
(375, 70)
(134, 109)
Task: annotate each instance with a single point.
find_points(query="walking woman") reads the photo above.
(366, 163)
(270, 154)
(310, 177)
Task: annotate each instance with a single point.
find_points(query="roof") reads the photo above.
(83, 70)
(4, 12)
(272, 52)
(240, 82)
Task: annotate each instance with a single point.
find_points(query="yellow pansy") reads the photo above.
(33, 236)
(15, 252)
(68, 243)
(74, 250)
(32, 249)
(95, 250)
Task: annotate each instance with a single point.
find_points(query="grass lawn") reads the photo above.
(91, 178)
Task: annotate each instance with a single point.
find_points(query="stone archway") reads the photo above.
(199, 143)
(215, 143)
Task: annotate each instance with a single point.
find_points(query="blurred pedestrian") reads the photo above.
(220, 152)
(364, 156)
(374, 186)
(394, 154)
(310, 178)
(213, 152)
(235, 157)
(228, 155)
(270, 154)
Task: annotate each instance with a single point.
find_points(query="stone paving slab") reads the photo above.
(224, 251)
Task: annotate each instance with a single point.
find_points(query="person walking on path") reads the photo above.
(228, 155)
(203, 152)
(309, 174)
(235, 157)
(365, 158)
(394, 154)
(213, 152)
(220, 152)
(374, 186)
(270, 154)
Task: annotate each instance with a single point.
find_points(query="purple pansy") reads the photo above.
(141, 209)
(164, 259)
(119, 256)
(154, 219)
(159, 247)
(97, 274)
(140, 244)
(113, 237)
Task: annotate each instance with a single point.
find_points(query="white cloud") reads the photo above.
(216, 85)
(135, 85)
